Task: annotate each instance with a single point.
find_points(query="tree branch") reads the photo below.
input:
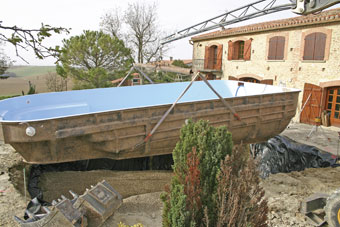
(25, 39)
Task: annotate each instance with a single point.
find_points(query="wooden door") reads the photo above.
(311, 103)
(333, 105)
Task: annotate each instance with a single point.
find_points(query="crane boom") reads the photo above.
(250, 11)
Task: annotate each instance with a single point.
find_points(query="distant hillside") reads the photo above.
(35, 74)
(22, 71)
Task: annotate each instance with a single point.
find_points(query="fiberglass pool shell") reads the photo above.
(113, 122)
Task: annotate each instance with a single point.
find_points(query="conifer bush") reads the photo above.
(197, 157)
(212, 186)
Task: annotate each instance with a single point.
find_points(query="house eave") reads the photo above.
(260, 28)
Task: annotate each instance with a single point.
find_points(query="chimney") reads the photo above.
(171, 58)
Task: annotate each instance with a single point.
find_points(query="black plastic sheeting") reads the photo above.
(283, 155)
(163, 162)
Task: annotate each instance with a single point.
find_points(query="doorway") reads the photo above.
(333, 105)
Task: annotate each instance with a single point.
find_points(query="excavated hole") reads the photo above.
(16, 176)
(129, 177)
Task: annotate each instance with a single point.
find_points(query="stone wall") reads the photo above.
(292, 71)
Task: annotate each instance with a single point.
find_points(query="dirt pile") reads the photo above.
(283, 191)
(145, 209)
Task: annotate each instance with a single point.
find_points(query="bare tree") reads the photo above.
(141, 20)
(139, 28)
(54, 82)
(111, 23)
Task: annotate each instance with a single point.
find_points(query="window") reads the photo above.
(213, 57)
(215, 54)
(254, 80)
(315, 45)
(276, 48)
(136, 81)
(239, 50)
(333, 104)
(249, 79)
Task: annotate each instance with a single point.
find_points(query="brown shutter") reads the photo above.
(272, 48)
(320, 44)
(230, 50)
(308, 53)
(280, 48)
(232, 78)
(312, 104)
(211, 57)
(247, 50)
(206, 57)
(268, 81)
(219, 57)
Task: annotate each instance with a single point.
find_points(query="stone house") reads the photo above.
(301, 52)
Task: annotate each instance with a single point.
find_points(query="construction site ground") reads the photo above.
(141, 190)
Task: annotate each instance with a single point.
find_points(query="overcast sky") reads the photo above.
(82, 15)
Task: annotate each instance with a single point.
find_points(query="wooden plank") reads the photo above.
(280, 48)
(219, 57)
(308, 52)
(320, 44)
(247, 50)
(206, 57)
(230, 50)
(272, 48)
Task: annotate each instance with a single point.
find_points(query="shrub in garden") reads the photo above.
(211, 186)
(197, 157)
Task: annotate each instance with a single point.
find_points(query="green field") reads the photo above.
(22, 71)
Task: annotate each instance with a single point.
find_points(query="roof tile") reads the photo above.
(323, 17)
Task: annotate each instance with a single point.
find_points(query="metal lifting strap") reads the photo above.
(305, 103)
(171, 108)
(128, 74)
(181, 95)
(136, 68)
(221, 98)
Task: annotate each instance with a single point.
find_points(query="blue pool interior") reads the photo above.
(71, 103)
